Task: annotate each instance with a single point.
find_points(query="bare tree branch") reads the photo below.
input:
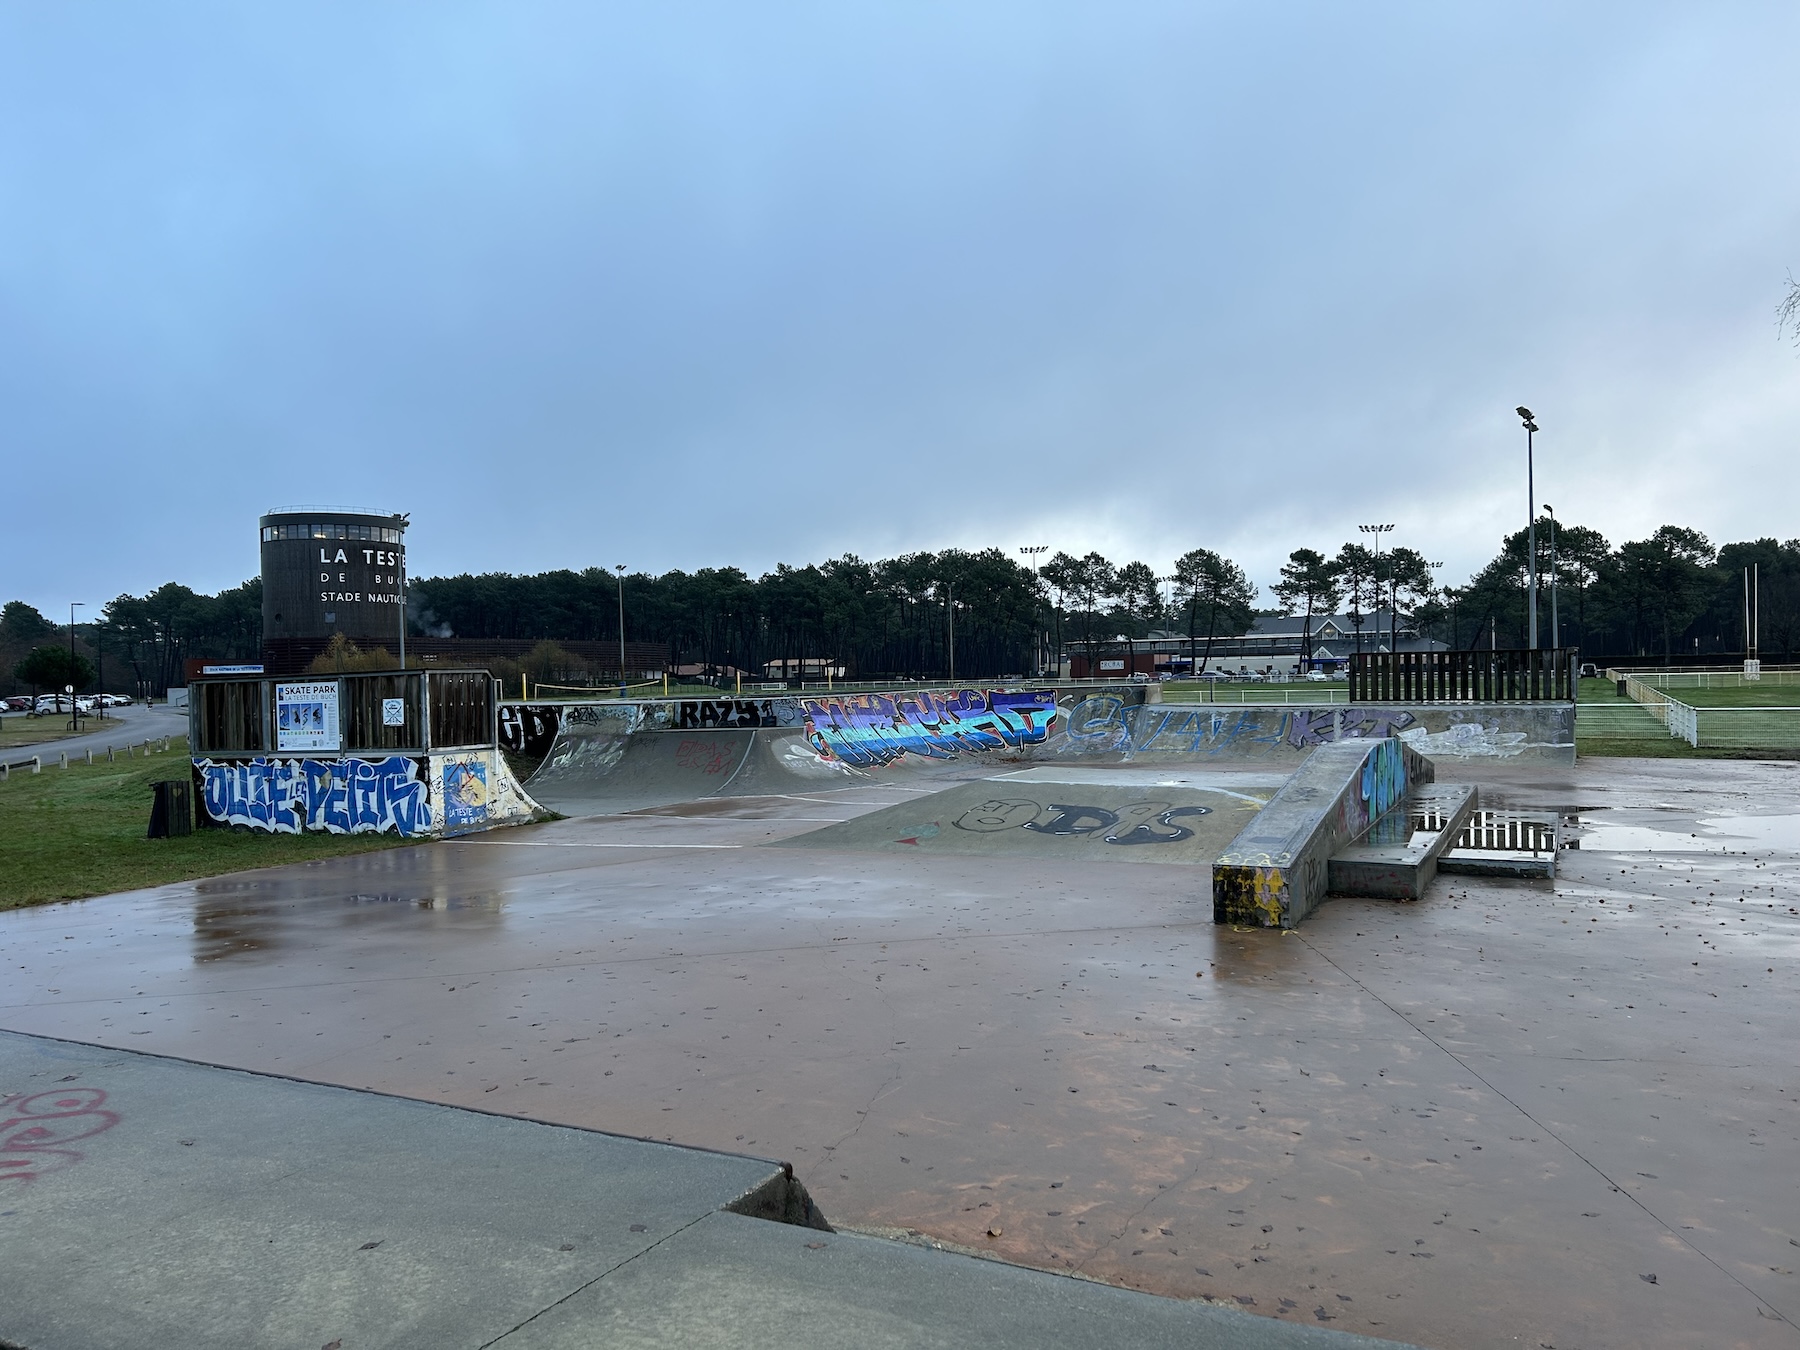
(1787, 313)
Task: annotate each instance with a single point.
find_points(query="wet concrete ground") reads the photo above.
(1514, 1114)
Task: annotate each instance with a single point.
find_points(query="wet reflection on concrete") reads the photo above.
(235, 918)
(1478, 1120)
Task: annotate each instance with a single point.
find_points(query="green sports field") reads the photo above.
(1742, 696)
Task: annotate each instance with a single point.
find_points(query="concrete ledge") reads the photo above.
(1400, 869)
(1278, 869)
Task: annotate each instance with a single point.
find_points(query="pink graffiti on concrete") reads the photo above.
(35, 1129)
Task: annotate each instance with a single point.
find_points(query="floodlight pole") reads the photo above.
(1530, 519)
(1032, 551)
(1393, 622)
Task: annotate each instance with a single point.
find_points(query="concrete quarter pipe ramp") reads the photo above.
(595, 774)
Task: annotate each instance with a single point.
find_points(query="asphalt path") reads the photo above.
(121, 727)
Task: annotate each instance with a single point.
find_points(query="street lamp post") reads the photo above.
(1530, 517)
(1555, 628)
(74, 716)
(620, 569)
(1393, 630)
(1031, 552)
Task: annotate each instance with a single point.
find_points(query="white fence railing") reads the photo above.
(1683, 722)
(1281, 698)
(1659, 705)
(1747, 728)
(1709, 679)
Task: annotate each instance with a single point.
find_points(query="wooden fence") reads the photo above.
(1505, 676)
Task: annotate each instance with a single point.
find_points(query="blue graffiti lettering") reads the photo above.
(340, 796)
(1384, 778)
(875, 729)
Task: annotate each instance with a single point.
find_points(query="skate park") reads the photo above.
(1010, 1054)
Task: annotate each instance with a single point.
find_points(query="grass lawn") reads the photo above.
(1668, 747)
(75, 832)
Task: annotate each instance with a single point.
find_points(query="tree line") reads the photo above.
(1665, 596)
(137, 643)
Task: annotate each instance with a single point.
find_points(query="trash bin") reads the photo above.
(1622, 691)
(172, 810)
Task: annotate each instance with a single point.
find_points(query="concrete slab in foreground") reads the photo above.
(152, 1202)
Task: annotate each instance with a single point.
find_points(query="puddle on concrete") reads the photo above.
(1710, 834)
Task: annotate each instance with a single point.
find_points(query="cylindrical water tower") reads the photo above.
(329, 570)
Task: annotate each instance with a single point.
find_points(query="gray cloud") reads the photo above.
(698, 285)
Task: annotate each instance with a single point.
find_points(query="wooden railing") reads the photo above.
(1505, 676)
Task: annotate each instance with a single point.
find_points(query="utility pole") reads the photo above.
(950, 591)
(74, 717)
(1530, 517)
(1555, 628)
(400, 522)
(620, 569)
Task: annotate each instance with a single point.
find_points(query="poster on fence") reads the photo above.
(306, 716)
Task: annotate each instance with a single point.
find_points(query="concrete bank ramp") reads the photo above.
(155, 1204)
(1074, 812)
(604, 772)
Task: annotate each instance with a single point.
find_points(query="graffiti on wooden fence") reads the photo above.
(339, 796)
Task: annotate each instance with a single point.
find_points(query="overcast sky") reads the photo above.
(687, 285)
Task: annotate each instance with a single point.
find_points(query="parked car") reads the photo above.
(1316, 676)
(114, 700)
(18, 703)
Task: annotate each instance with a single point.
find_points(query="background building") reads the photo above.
(330, 570)
(1327, 643)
